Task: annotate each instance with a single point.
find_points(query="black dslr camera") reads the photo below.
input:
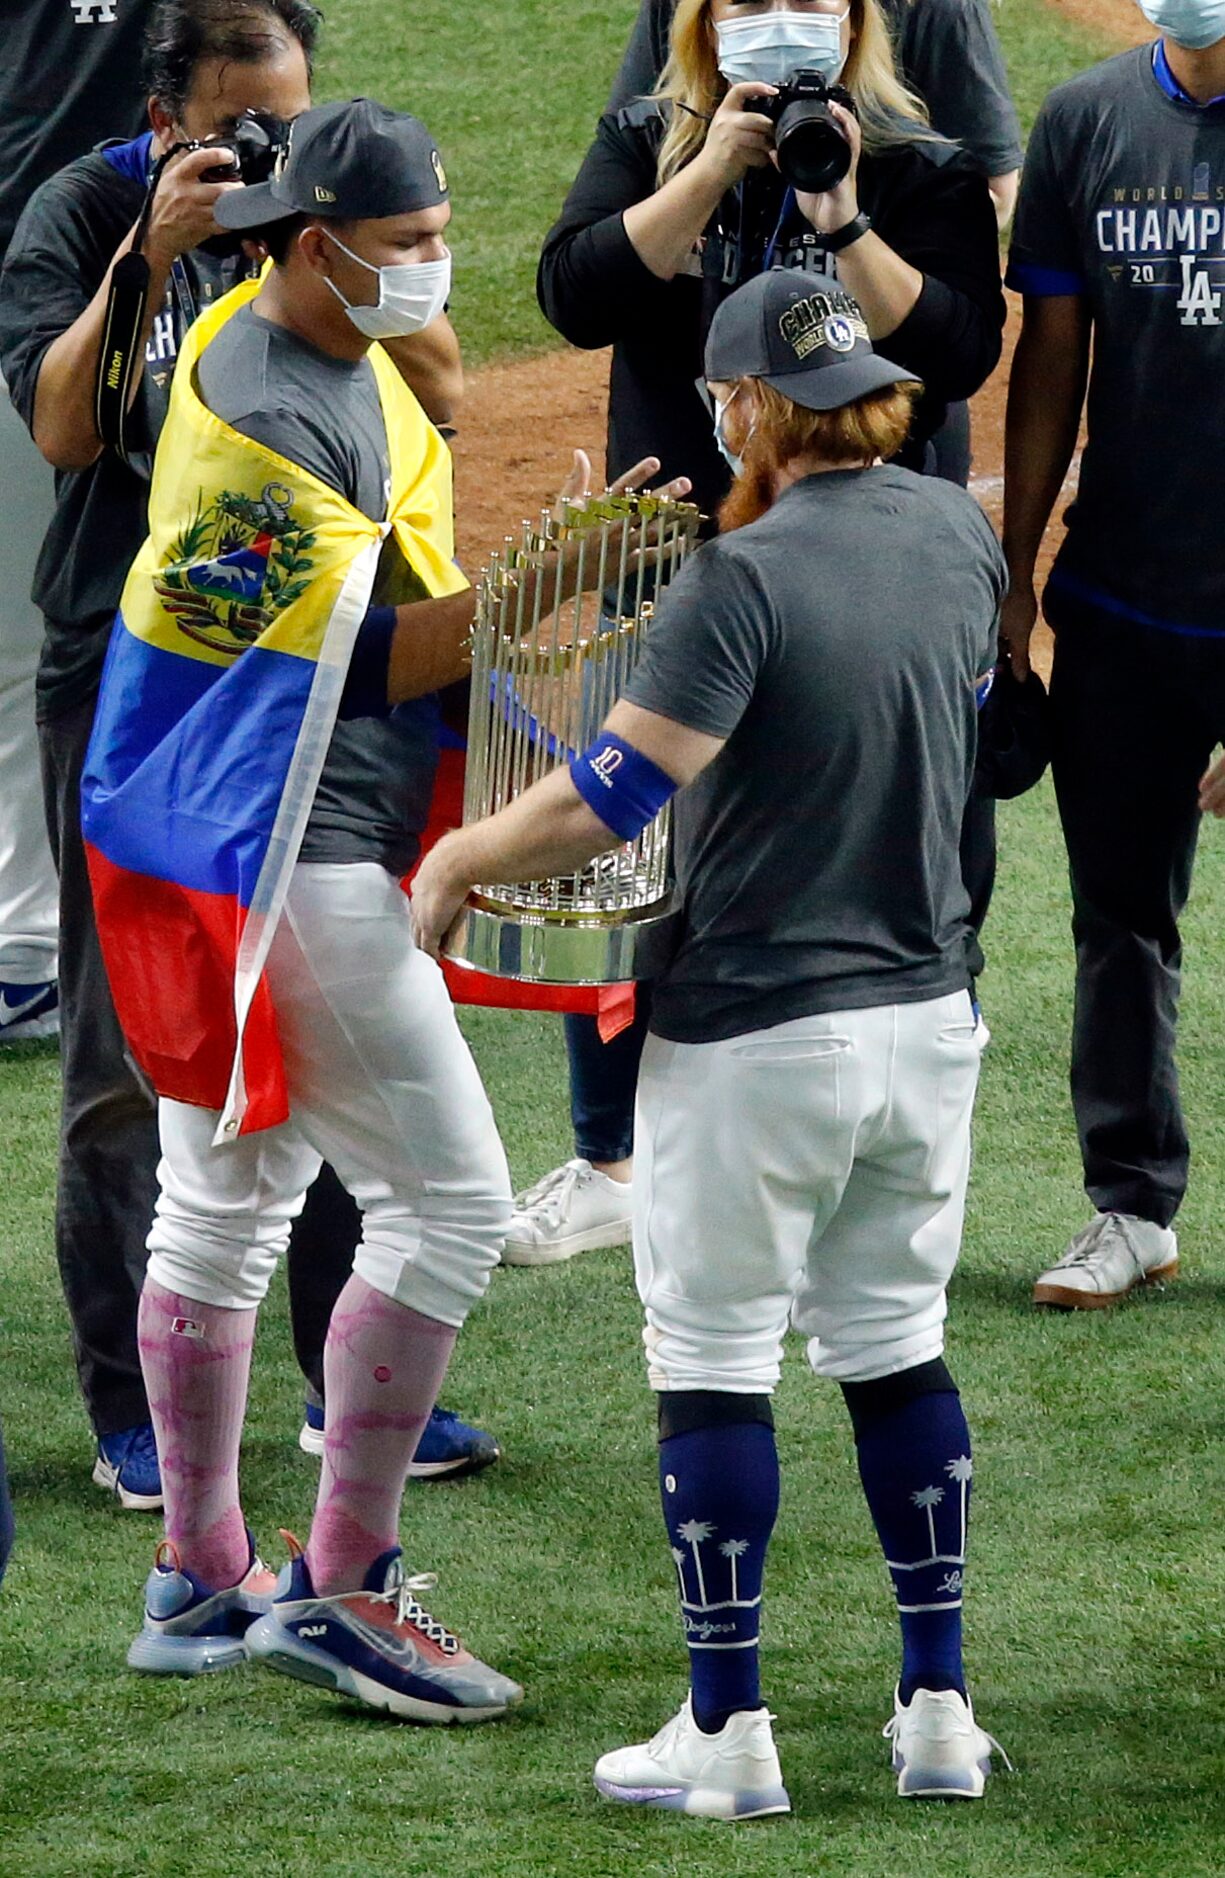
(813, 153)
(257, 140)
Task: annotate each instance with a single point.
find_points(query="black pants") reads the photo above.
(106, 1182)
(1136, 713)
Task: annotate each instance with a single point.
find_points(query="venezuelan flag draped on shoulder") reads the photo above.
(223, 679)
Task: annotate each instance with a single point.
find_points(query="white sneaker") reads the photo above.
(939, 1750)
(1112, 1255)
(571, 1210)
(732, 1775)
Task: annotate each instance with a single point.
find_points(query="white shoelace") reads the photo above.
(894, 1723)
(548, 1201)
(408, 1611)
(1089, 1243)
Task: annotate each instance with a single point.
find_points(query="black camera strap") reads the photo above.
(119, 359)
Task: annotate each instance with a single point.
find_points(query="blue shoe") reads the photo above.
(310, 1434)
(127, 1467)
(28, 1012)
(448, 1447)
(377, 1645)
(190, 1629)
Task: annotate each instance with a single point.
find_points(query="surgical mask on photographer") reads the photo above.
(735, 463)
(412, 294)
(1194, 24)
(774, 48)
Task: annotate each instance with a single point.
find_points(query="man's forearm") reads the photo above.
(64, 426)
(431, 645)
(547, 830)
(429, 363)
(1045, 397)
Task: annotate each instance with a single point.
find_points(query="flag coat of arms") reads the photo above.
(223, 680)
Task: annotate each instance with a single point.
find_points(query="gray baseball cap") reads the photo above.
(352, 162)
(803, 336)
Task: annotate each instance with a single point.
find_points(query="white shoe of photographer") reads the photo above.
(573, 1209)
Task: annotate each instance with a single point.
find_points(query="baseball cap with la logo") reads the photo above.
(805, 337)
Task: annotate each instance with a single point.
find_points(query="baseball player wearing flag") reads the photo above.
(260, 769)
(805, 1097)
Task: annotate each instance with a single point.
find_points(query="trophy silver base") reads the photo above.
(554, 948)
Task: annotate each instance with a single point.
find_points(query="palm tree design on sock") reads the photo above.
(732, 1550)
(927, 1499)
(678, 1559)
(962, 1472)
(693, 1532)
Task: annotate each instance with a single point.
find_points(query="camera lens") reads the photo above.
(813, 153)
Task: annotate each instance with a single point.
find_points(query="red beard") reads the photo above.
(749, 497)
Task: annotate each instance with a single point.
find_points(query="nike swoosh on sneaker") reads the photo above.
(12, 1013)
(400, 1650)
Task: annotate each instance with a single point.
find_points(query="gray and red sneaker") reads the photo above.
(191, 1629)
(377, 1645)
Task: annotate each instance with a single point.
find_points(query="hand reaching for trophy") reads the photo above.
(568, 567)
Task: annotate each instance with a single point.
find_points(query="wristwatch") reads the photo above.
(849, 232)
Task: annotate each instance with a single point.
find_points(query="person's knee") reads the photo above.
(231, 1270)
(685, 1357)
(437, 1257)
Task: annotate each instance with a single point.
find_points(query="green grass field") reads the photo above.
(1096, 1634)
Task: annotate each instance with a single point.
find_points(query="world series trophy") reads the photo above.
(543, 680)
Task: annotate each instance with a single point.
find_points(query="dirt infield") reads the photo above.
(521, 420)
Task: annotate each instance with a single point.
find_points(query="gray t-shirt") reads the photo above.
(324, 414)
(835, 644)
(1123, 203)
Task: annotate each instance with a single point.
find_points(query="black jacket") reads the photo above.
(926, 199)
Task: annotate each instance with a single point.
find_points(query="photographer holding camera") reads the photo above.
(682, 197)
(207, 62)
(222, 77)
(948, 51)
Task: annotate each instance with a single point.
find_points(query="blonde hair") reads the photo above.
(869, 427)
(889, 112)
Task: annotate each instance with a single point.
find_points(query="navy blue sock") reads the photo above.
(914, 1461)
(719, 1487)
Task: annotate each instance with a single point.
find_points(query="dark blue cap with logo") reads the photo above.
(353, 162)
(804, 336)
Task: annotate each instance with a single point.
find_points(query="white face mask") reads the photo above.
(1191, 23)
(774, 48)
(734, 463)
(412, 294)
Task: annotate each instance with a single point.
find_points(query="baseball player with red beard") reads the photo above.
(804, 1104)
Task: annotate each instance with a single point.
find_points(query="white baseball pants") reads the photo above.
(29, 899)
(381, 1085)
(812, 1173)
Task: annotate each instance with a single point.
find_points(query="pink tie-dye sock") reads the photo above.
(383, 1366)
(196, 1360)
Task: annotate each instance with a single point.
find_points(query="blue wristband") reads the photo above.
(365, 692)
(620, 785)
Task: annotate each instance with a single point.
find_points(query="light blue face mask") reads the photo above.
(775, 47)
(1194, 24)
(735, 463)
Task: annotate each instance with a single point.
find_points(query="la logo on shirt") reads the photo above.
(94, 12)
